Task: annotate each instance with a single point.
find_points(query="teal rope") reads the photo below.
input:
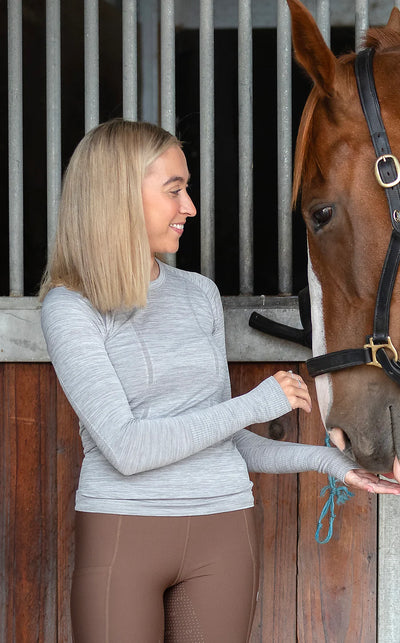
(340, 495)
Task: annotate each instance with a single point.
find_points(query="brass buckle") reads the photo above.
(375, 347)
(378, 176)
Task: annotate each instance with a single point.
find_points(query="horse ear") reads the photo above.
(311, 50)
(394, 20)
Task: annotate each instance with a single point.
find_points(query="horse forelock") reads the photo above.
(303, 144)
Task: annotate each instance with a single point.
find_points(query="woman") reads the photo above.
(164, 528)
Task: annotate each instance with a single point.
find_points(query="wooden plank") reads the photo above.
(69, 458)
(28, 596)
(276, 507)
(7, 500)
(48, 500)
(336, 581)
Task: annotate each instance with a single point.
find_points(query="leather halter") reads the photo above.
(378, 349)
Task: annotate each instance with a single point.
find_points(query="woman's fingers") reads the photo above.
(395, 474)
(295, 390)
(361, 479)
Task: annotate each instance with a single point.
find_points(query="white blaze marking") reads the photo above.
(323, 383)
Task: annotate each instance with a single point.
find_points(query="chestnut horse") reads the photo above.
(348, 232)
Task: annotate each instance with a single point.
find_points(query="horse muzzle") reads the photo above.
(369, 435)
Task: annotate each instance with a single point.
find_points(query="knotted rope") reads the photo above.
(340, 495)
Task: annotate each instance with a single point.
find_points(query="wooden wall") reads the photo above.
(309, 592)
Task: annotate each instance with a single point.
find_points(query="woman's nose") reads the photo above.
(188, 207)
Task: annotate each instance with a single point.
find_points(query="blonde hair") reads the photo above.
(101, 247)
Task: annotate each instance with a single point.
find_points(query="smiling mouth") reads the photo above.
(177, 226)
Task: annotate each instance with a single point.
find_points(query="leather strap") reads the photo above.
(372, 112)
(385, 290)
(270, 327)
(338, 360)
(283, 331)
(391, 368)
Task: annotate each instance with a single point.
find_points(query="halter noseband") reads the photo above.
(387, 171)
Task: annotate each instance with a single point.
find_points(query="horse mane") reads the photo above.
(378, 38)
(303, 143)
(382, 38)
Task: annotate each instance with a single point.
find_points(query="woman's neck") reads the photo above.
(154, 270)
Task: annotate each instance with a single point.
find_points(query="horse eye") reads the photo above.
(322, 217)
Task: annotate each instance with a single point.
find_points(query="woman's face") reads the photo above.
(166, 202)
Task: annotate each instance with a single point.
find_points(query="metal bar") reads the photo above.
(207, 172)
(361, 22)
(91, 26)
(168, 65)
(284, 117)
(15, 149)
(167, 25)
(129, 59)
(53, 111)
(149, 60)
(245, 87)
(323, 20)
(388, 564)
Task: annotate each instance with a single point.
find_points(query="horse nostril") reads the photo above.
(348, 450)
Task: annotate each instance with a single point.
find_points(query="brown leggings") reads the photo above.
(141, 579)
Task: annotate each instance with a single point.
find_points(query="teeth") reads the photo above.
(179, 226)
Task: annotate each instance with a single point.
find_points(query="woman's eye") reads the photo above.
(175, 192)
(322, 216)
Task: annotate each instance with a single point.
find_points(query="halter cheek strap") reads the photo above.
(387, 168)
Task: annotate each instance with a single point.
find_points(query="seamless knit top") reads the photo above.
(161, 435)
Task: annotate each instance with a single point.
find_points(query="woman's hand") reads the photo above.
(361, 479)
(295, 390)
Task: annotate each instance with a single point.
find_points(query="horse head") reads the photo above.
(348, 232)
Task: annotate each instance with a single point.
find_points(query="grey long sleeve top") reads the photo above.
(160, 432)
